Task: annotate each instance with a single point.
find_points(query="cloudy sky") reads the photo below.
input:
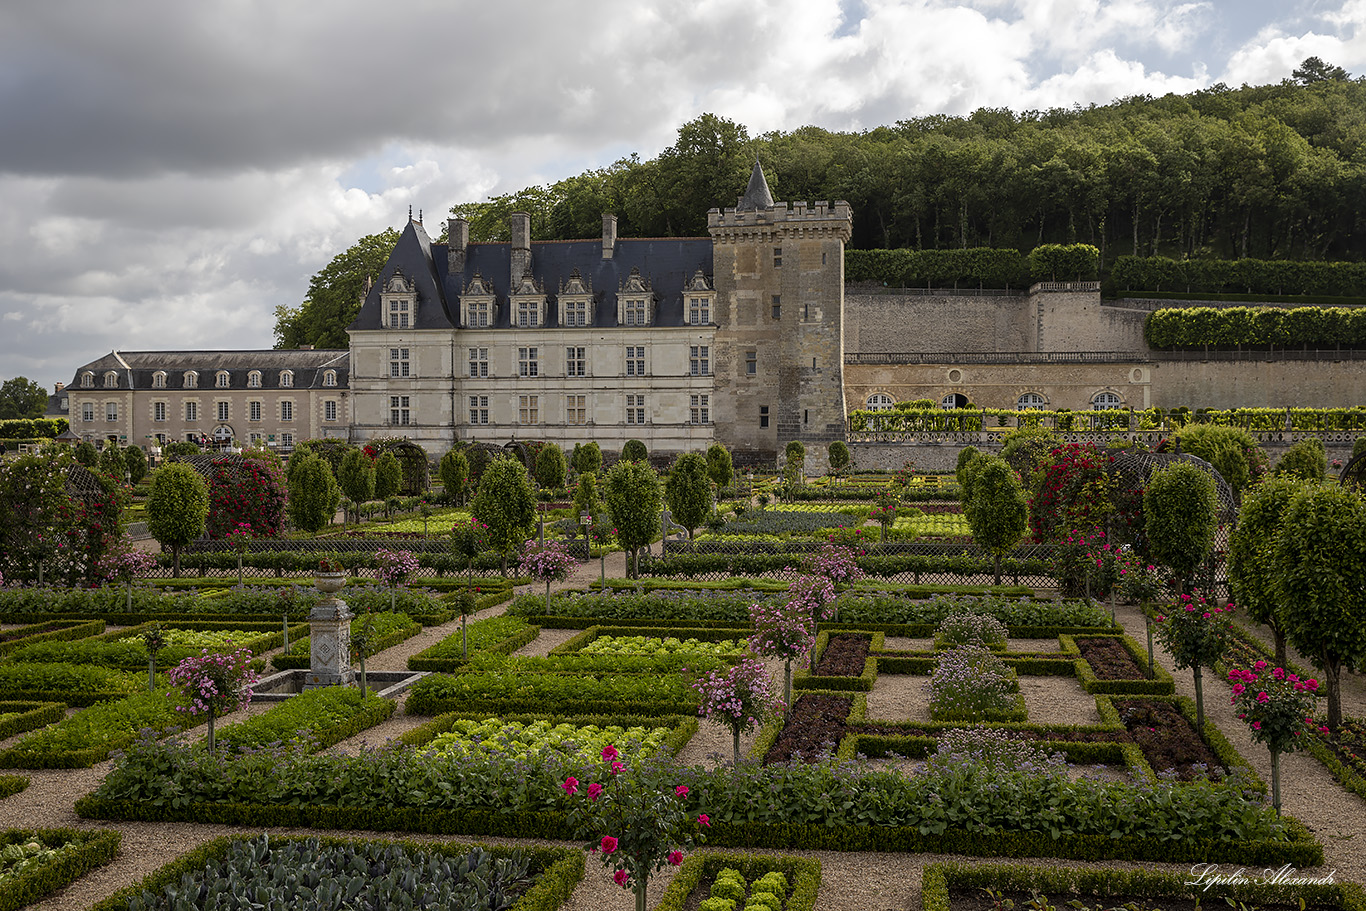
(170, 172)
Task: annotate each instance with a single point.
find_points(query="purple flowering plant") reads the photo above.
(783, 630)
(125, 566)
(214, 683)
(970, 684)
(548, 562)
(738, 697)
(836, 563)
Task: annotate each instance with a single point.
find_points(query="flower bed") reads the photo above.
(37, 862)
(12, 639)
(281, 871)
(644, 694)
(663, 647)
(126, 649)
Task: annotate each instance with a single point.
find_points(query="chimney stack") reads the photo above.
(520, 225)
(458, 231)
(609, 236)
(59, 387)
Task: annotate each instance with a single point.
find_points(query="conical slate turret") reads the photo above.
(757, 195)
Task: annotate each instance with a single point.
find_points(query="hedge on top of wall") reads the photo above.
(1200, 327)
(1250, 276)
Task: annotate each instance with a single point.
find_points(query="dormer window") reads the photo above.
(329, 378)
(576, 306)
(159, 380)
(700, 299)
(254, 379)
(221, 379)
(529, 306)
(87, 380)
(286, 379)
(699, 311)
(398, 302)
(111, 380)
(191, 379)
(478, 301)
(635, 301)
(528, 314)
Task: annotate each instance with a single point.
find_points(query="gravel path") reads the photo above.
(856, 881)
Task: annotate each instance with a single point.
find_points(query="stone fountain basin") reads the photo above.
(280, 686)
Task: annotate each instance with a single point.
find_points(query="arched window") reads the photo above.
(954, 400)
(88, 380)
(286, 379)
(111, 380)
(1106, 401)
(221, 380)
(330, 378)
(1031, 400)
(880, 401)
(159, 380)
(254, 379)
(191, 379)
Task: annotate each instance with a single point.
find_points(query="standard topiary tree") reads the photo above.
(635, 451)
(688, 491)
(720, 468)
(588, 457)
(454, 471)
(1180, 518)
(1306, 460)
(357, 478)
(388, 478)
(965, 457)
(1320, 559)
(1252, 556)
(507, 505)
(839, 458)
(996, 509)
(550, 467)
(794, 455)
(586, 498)
(87, 454)
(177, 509)
(135, 463)
(313, 492)
(631, 491)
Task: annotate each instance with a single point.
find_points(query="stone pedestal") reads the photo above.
(329, 647)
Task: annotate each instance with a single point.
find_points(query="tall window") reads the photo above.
(699, 409)
(287, 441)
(221, 380)
(635, 360)
(528, 313)
(398, 362)
(286, 411)
(111, 411)
(399, 412)
(87, 380)
(479, 362)
(635, 312)
(763, 415)
(635, 409)
(329, 410)
(191, 379)
(330, 378)
(222, 411)
(253, 411)
(751, 363)
(191, 412)
(286, 379)
(254, 379)
(158, 380)
(576, 409)
(699, 360)
(479, 409)
(575, 314)
(575, 362)
(398, 314)
(777, 306)
(777, 257)
(528, 409)
(699, 311)
(158, 411)
(111, 380)
(1031, 400)
(478, 315)
(87, 411)
(527, 363)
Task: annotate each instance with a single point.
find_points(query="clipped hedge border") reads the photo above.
(94, 849)
(927, 630)
(420, 704)
(67, 631)
(286, 662)
(575, 644)
(12, 784)
(803, 877)
(559, 869)
(939, 878)
(272, 634)
(1214, 738)
(66, 697)
(1300, 850)
(647, 626)
(803, 679)
(682, 728)
(1345, 774)
(1162, 684)
(31, 715)
(369, 716)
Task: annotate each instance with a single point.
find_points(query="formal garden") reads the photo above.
(1065, 674)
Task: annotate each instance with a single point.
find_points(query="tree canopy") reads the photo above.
(334, 295)
(21, 397)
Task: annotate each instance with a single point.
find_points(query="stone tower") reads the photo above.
(779, 277)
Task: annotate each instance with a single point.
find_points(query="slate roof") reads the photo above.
(757, 194)
(139, 366)
(666, 263)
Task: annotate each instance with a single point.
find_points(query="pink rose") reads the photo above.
(571, 786)
(1256, 725)
(1262, 697)
(681, 790)
(621, 877)
(609, 844)
(617, 767)
(594, 791)
(609, 753)
(1278, 674)
(675, 857)
(703, 819)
